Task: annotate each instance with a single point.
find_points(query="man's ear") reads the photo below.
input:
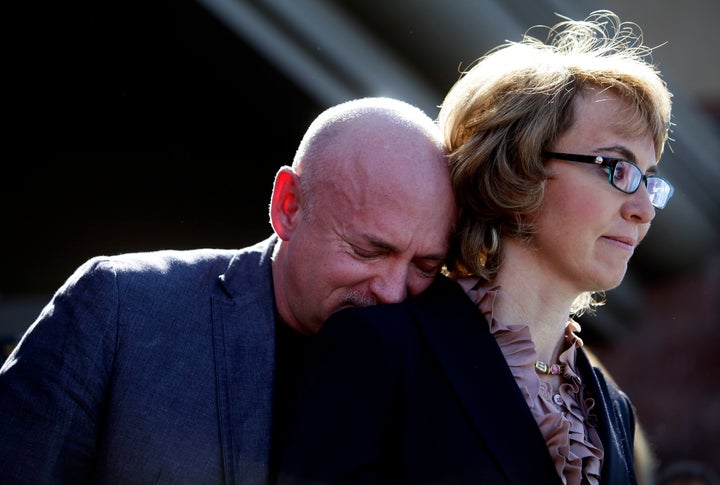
(285, 203)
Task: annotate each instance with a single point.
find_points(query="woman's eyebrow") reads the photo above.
(626, 154)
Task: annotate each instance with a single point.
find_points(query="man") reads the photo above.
(163, 366)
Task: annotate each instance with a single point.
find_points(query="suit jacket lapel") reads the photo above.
(458, 335)
(244, 344)
(618, 461)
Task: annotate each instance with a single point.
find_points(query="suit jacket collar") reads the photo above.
(244, 342)
(476, 367)
(615, 423)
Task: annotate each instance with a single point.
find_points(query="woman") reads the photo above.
(483, 379)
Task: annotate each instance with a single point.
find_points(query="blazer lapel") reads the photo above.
(244, 344)
(612, 426)
(459, 337)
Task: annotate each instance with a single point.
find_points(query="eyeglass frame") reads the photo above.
(611, 164)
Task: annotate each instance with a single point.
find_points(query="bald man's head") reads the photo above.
(364, 214)
(366, 136)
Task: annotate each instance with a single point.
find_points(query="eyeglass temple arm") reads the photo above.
(576, 158)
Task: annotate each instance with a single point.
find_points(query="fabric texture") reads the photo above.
(566, 419)
(146, 368)
(420, 392)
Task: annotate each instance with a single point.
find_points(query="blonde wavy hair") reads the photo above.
(512, 103)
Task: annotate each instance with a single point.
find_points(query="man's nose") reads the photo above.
(390, 285)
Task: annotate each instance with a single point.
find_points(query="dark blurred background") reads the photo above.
(141, 125)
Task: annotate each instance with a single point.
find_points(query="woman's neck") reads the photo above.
(531, 296)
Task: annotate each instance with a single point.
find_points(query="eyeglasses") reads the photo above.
(624, 176)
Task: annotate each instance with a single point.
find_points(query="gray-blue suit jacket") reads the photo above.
(146, 368)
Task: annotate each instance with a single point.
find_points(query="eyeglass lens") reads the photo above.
(628, 177)
(660, 191)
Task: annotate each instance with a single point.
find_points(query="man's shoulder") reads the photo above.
(159, 261)
(168, 260)
(260, 252)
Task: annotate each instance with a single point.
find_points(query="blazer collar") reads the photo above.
(458, 335)
(244, 343)
(615, 421)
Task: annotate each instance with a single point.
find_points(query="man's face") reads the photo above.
(372, 238)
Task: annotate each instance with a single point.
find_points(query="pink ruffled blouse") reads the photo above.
(566, 418)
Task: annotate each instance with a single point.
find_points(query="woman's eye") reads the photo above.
(620, 173)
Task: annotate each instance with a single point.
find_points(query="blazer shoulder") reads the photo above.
(443, 304)
(444, 301)
(442, 290)
(164, 262)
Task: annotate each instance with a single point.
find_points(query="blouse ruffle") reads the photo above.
(566, 420)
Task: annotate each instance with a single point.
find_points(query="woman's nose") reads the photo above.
(637, 207)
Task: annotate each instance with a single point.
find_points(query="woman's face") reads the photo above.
(587, 230)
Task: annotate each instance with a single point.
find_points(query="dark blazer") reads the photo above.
(419, 392)
(146, 368)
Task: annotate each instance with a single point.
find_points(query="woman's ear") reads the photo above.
(285, 203)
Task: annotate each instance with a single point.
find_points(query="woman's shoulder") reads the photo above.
(442, 293)
(442, 302)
